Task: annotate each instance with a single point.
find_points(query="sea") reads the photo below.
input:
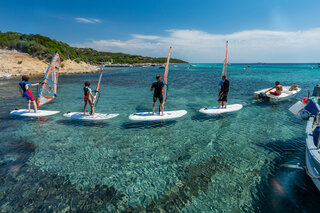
(235, 162)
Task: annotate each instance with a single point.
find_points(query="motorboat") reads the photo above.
(288, 92)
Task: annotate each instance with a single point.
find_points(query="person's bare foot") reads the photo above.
(152, 113)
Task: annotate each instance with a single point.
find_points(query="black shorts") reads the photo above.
(160, 99)
(223, 97)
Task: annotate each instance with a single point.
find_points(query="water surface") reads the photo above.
(228, 163)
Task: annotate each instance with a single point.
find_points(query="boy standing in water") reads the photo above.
(87, 98)
(157, 87)
(26, 93)
(223, 94)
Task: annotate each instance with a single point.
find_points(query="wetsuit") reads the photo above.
(158, 86)
(87, 91)
(223, 94)
(24, 85)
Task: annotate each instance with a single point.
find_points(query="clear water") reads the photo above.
(229, 163)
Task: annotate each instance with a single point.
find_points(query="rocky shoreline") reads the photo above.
(14, 63)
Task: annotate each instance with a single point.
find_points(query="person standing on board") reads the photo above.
(88, 98)
(157, 87)
(278, 89)
(25, 92)
(223, 94)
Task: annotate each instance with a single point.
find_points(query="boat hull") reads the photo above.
(286, 94)
(312, 155)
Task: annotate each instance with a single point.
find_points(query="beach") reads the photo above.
(14, 63)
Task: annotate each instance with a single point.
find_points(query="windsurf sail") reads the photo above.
(165, 78)
(225, 64)
(97, 93)
(49, 84)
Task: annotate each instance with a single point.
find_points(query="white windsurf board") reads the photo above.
(26, 113)
(148, 116)
(216, 110)
(81, 116)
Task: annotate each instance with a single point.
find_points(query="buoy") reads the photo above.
(305, 100)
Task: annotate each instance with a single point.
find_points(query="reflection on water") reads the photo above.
(78, 122)
(198, 163)
(147, 124)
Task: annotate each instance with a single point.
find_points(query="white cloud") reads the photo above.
(88, 20)
(200, 46)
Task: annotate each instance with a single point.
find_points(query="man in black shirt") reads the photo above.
(157, 87)
(223, 94)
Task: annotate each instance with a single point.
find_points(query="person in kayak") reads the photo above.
(88, 98)
(278, 88)
(223, 94)
(157, 87)
(26, 93)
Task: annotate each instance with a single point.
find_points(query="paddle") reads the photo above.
(269, 90)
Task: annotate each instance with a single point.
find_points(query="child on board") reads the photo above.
(223, 94)
(88, 97)
(157, 87)
(26, 93)
(278, 88)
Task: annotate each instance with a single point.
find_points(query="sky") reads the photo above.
(257, 30)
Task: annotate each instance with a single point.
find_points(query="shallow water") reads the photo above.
(228, 163)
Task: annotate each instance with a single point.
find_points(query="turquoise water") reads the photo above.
(229, 163)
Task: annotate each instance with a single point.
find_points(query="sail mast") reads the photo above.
(165, 78)
(224, 70)
(97, 93)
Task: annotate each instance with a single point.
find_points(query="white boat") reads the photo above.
(312, 134)
(313, 150)
(286, 94)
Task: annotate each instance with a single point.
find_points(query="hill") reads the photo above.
(43, 47)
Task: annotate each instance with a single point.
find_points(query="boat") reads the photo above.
(288, 92)
(313, 150)
(311, 109)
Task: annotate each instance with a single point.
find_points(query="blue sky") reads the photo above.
(264, 31)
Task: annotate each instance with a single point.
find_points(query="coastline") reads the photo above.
(14, 64)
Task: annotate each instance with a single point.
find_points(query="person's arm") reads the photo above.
(152, 87)
(270, 89)
(36, 84)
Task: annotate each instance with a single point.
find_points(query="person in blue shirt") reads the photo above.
(223, 94)
(157, 87)
(26, 93)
